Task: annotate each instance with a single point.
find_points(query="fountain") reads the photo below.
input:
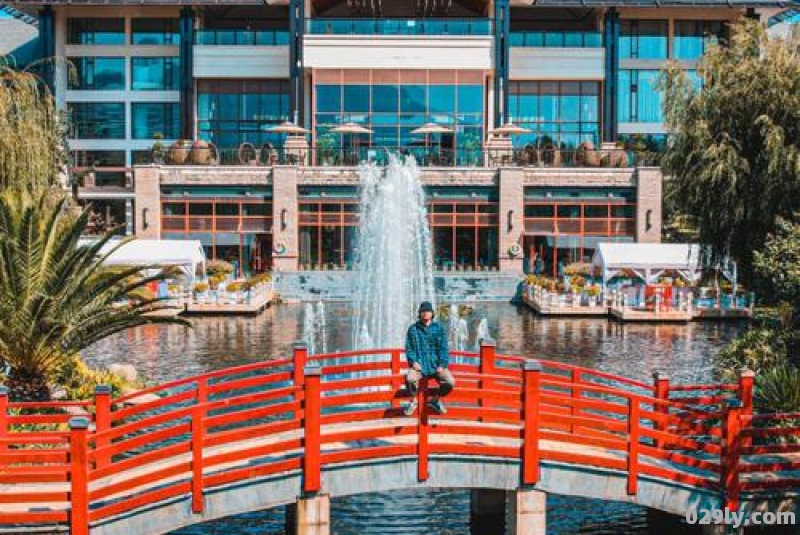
(394, 263)
(483, 332)
(315, 328)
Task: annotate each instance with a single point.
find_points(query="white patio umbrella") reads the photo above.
(510, 129)
(288, 127)
(431, 128)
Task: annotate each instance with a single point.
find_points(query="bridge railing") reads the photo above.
(300, 416)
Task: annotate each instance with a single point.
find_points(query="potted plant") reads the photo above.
(202, 153)
(159, 151)
(325, 152)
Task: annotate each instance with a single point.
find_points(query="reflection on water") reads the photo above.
(162, 352)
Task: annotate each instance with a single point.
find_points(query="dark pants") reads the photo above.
(444, 378)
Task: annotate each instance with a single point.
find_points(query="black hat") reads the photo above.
(425, 306)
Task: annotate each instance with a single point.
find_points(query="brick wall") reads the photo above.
(512, 213)
(649, 185)
(284, 206)
(147, 189)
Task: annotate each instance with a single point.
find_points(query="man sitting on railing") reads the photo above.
(428, 357)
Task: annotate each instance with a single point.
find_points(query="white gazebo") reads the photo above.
(648, 260)
(187, 254)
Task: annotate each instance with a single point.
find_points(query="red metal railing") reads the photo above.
(84, 462)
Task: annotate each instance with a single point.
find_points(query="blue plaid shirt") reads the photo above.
(427, 345)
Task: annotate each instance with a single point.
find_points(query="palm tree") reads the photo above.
(56, 296)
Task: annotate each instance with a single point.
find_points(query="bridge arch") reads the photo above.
(258, 436)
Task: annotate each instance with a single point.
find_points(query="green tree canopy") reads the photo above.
(734, 152)
(56, 297)
(31, 143)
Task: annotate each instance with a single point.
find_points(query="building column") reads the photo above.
(611, 42)
(511, 213)
(285, 229)
(649, 186)
(147, 191)
(526, 512)
(187, 72)
(487, 511)
(297, 23)
(313, 515)
(47, 44)
(502, 17)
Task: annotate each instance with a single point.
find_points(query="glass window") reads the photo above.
(470, 99)
(97, 120)
(356, 98)
(329, 98)
(692, 37)
(151, 118)
(591, 210)
(625, 211)
(639, 99)
(412, 98)
(201, 208)
(442, 98)
(147, 31)
(155, 74)
(385, 98)
(98, 74)
(173, 208)
(231, 112)
(83, 31)
(643, 39)
(563, 113)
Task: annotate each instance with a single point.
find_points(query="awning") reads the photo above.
(648, 260)
(187, 254)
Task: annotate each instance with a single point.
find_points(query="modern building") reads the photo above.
(576, 80)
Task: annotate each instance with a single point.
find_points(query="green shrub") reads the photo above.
(757, 349)
(216, 268)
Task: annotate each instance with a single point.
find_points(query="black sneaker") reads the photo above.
(437, 407)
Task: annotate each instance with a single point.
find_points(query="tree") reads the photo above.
(56, 297)
(734, 149)
(31, 143)
(778, 264)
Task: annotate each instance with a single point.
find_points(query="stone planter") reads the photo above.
(179, 152)
(202, 153)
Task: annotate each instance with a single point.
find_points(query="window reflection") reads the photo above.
(560, 113)
(643, 39)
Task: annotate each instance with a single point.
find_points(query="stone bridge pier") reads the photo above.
(519, 512)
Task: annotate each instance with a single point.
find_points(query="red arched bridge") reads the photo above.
(260, 435)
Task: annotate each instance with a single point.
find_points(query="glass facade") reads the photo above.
(242, 37)
(394, 103)
(465, 233)
(230, 227)
(638, 100)
(97, 120)
(564, 225)
(560, 113)
(382, 26)
(328, 230)
(231, 112)
(551, 39)
(692, 37)
(98, 74)
(155, 74)
(643, 39)
(152, 31)
(151, 118)
(88, 31)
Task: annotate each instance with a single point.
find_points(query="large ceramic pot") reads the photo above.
(179, 152)
(202, 153)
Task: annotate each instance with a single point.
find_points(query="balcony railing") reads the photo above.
(243, 37)
(399, 26)
(529, 156)
(556, 39)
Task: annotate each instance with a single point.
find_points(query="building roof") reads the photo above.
(19, 40)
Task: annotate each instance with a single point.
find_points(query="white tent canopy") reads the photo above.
(648, 260)
(188, 254)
